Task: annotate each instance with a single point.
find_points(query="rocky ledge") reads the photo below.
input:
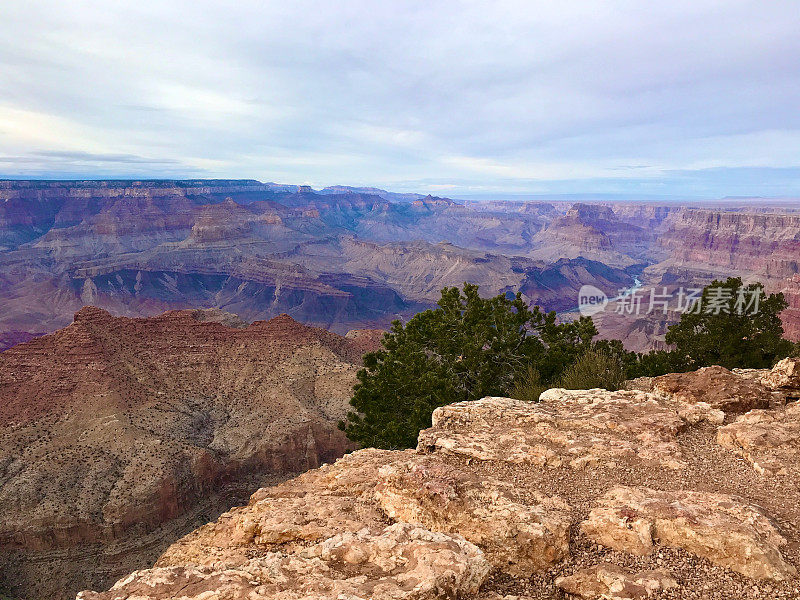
(683, 488)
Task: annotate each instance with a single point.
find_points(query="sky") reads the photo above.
(695, 98)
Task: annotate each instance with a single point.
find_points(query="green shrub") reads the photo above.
(657, 362)
(528, 386)
(595, 369)
(732, 335)
(470, 347)
(466, 348)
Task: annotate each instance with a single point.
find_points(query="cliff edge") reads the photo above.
(684, 486)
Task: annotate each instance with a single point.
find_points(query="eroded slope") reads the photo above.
(117, 435)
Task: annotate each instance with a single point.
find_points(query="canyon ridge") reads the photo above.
(345, 258)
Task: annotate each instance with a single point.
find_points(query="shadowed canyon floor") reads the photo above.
(657, 492)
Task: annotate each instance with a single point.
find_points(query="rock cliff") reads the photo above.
(341, 259)
(596, 232)
(681, 487)
(118, 435)
(757, 246)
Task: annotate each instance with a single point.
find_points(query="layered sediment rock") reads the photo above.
(718, 527)
(570, 427)
(518, 538)
(611, 582)
(593, 231)
(758, 246)
(118, 435)
(718, 388)
(402, 562)
(784, 377)
(338, 260)
(769, 440)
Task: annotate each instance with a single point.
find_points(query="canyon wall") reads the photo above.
(345, 258)
(341, 259)
(756, 246)
(117, 435)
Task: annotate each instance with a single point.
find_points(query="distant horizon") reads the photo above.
(588, 197)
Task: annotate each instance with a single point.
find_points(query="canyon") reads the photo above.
(338, 258)
(118, 435)
(344, 258)
(168, 347)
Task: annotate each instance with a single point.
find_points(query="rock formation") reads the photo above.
(598, 495)
(784, 377)
(596, 232)
(722, 528)
(118, 435)
(769, 440)
(612, 582)
(340, 259)
(717, 387)
(345, 258)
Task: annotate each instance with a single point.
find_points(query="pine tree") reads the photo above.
(467, 348)
(733, 326)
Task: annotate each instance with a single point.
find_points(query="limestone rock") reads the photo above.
(402, 561)
(611, 582)
(718, 527)
(701, 411)
(784, 376)
(318, 505)
(517, 538)
(567, 427)
(717, 387)
(640, 384)
(768, 439)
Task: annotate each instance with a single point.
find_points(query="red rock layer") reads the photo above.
(114, 427)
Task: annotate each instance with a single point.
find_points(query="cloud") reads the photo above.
(508, 95)
(88, 157)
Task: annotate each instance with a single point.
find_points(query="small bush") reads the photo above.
(529, 386)
(595, 369)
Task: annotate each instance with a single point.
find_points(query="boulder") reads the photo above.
(578, 428)
(517, 538)
(716, 386)
(611, 582)
(785, 376)
(718, 527)
(768, 439)
(402, 561)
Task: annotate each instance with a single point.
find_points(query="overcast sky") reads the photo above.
(697, 98)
